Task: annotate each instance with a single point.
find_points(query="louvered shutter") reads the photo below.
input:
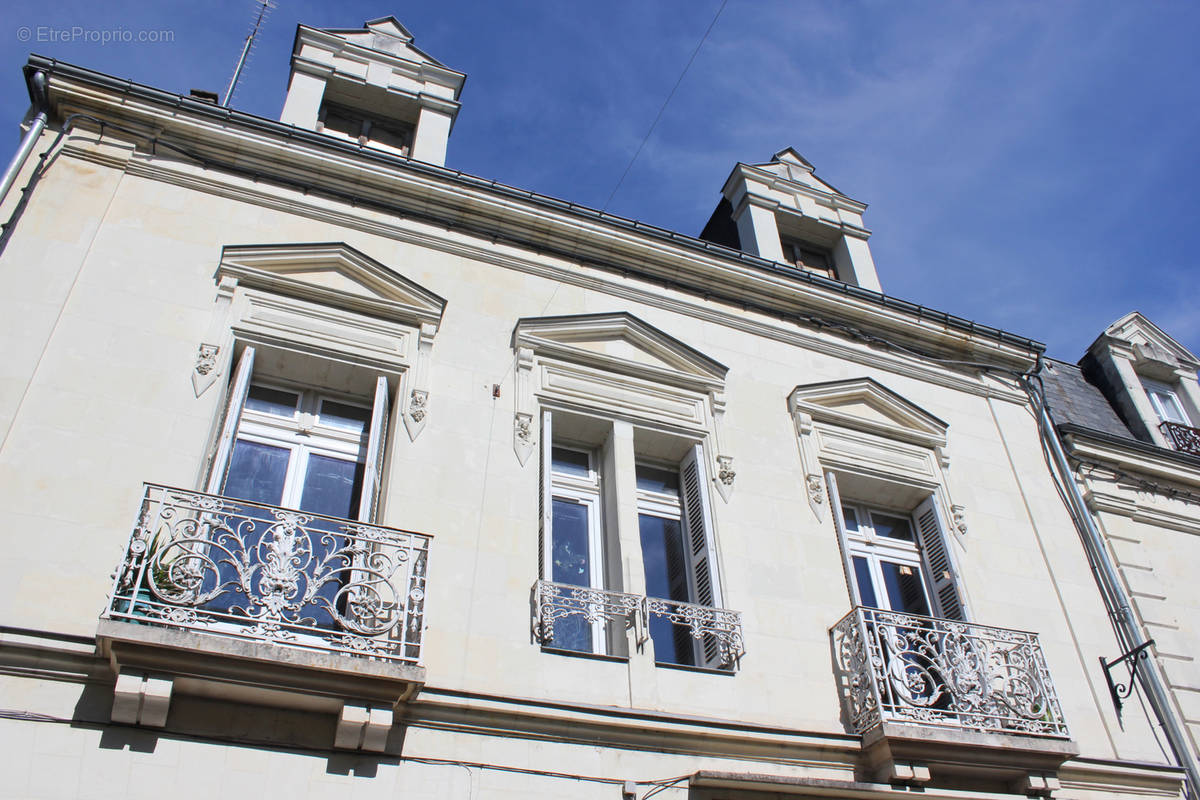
(368, 506)
(943, 578)
(839, 526)
(545, 496)
(234, 400)
(698, 542)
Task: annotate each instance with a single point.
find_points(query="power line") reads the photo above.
(654, 124)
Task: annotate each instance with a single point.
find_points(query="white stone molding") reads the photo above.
(861, 427)
(813, 479)
(400, 229)
(208, 365)
(417, 411)
(619, 365)
(139, 699)
(363, 728)
(524, 429)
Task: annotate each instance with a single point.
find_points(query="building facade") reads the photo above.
(329, 469)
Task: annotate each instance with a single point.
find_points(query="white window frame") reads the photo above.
(865, 543)
(1164, 399)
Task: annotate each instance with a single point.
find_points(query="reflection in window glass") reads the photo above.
(257, 472)
(653, 479)
(332, 487)
(570, 462)
(904, 588)
(277, 402)
(570, 554)
(346, 417)
(866, 587)
(666, 577)
(892, 527)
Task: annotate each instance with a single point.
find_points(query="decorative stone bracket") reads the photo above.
(814, 481)
(139, 699)
(208, 367)
(524, 435)
(417, 411)
(363, 728)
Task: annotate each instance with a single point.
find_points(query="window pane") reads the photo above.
(892, 527)
(851, 519)
(332, 487)
(570, 462)
(257, 472)
(905, 591)
(866, 586)
(278, 402)
(346, 417)
(653, 479)
(666, 577)
(570, 555)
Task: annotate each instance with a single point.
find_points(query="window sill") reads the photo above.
(689, 668)
(557, 651)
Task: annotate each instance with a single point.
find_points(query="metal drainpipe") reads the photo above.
(38, 83)
(1151, 678)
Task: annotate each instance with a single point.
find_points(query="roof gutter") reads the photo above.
(37, 93)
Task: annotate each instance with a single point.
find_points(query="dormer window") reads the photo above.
(1165, 402)
(808, 257)
(365, 129)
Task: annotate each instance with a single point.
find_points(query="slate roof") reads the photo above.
(1074, 401)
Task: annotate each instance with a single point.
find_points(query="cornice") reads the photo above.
(412, 229)
(1132, 455)
(834, 200)
(365, 177)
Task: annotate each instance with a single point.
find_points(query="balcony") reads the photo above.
(1183, 438)
(717, 631)
(929, 689)
(242, 594)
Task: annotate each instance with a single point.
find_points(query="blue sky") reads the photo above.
(1031, 166)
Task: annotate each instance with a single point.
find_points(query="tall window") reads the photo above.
(576, 545)
(674, 534)
(898, 561)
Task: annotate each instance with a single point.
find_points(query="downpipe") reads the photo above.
(38, 85)
(1106, 574)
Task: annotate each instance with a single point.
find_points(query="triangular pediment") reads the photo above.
(333, 274)
(790, 165)
(863, 404)
(620, 342)
(1149, 342)
(385, 35)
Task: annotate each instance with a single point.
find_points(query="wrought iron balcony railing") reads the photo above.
(1183, 438)
(251, 571)
(901, 668)
(717, 629)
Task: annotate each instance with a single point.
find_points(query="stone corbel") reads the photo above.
(417, 410)
(363, 728)
(960, 519)
(725, 472)
(524, 432)
(139, 699)
(814, 481)
(208, 366)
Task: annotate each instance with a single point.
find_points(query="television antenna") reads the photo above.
(262, 8)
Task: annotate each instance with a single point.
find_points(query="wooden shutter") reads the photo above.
(368, 505)
(698, 542)
(839, 526)
(234, 400)
(545, 497)
(943, 578)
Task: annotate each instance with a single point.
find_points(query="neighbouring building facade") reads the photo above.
(330, 471)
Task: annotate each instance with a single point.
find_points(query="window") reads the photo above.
(897, 561)
(1165, 402)
(581, 536)
(808, 257)
(285, 445)
(364, 128)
